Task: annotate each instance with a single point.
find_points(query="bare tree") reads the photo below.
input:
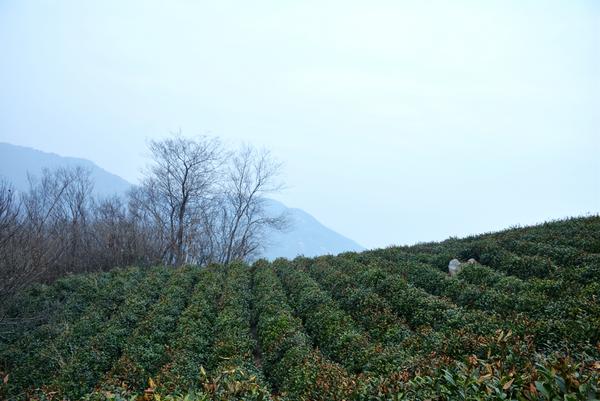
(177, 185)
(251, 175)
(207, 205)
(9, 213)
(114, 236)
(149, 216)
(10, 231)
(57, 208)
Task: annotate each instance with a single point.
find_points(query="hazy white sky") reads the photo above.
(397, 121)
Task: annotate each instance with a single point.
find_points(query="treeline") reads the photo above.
(197, 203)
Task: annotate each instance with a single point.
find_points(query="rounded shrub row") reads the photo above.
(46, 304)
(234, 374)
(191, 348)
(80, 373)
(296, 370)
(332, 330)
(144, 352)
(556, 315)
(479, 294)
(442, 327)
(43, 350)
(382, 324)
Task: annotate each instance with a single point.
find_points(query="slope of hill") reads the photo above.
(305, 236)
(17, 161)
(522, 323)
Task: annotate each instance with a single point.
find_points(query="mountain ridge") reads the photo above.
(17, 161)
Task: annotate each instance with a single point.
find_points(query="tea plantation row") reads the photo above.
(388, 324)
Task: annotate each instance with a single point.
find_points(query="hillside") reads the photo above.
(304, 236)
(17, 161)
(521, 323)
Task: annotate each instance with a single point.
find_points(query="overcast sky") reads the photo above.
(397, 121)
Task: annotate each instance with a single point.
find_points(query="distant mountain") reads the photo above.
(17, 161)
(305, 235)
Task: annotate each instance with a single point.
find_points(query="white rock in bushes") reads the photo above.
(454, 267)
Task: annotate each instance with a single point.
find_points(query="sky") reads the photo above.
(396, 121)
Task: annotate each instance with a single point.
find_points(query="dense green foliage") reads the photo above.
(522, 323)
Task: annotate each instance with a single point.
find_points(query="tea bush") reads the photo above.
(522, 324)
